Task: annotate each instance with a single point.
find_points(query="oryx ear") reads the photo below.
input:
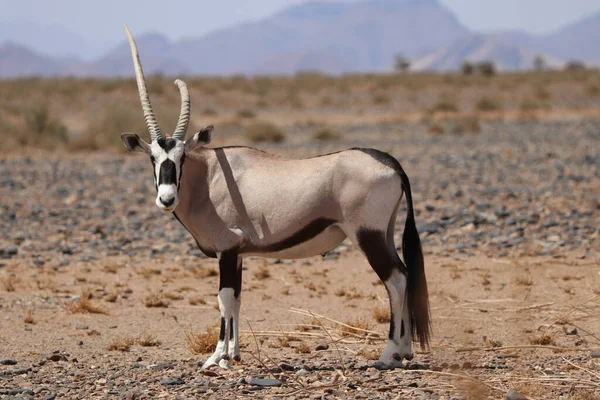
(133, 143)
(199, 139)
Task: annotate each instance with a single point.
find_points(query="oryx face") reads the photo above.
(167, 156)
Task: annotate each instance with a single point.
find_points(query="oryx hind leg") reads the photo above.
(379, 249)
(230, 285)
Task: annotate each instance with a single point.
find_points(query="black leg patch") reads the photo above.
(402, 328)
(392, 327)
(222, 332)
(230, 276)
(231, 328)
(373, 244)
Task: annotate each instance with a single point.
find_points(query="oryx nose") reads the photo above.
(167, 202)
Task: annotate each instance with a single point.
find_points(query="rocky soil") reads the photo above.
(509, 221)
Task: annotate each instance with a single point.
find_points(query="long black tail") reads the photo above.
(418, 297)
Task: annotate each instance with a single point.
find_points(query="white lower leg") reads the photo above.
(394, 351)
(234, 345)
(227, 305)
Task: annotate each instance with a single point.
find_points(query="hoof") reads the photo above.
(224, 363)
(382, 366)
(237, 358)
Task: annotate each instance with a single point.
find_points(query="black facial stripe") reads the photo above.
(166, 144)
(153, 161)
(168, 173)
(180, 170)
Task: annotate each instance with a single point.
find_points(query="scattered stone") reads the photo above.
(8, 362)
(571, 331)
(172, 381)
(302, 372)
(595, 354)
(322, 346)
(287, 367)
(266, 382)
(512, 395)
(81, 327)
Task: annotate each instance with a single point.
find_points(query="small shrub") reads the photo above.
(381, 98)
(355, 327)
(121, 344)
(487, 104)
(382, 314)
(445, 104)
(592, 90)
(155, 300)
(303, 348)
(486, 68)
(325, 134)
(467, 68)
(468, 124)
(9, 282)
(262, 273)
(84, 306)
(436, 129)
(28, 318)
(202, 343)
(148, 341)
(264, 132)
(543, 340)
(246, 113)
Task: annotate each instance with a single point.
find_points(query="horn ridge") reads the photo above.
(184, 114)
(149, 117)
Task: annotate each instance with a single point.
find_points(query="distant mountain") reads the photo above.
(341, 37)
(477, 48)
(53, 40)
(156, 51)
(331, 37)
(19, 61)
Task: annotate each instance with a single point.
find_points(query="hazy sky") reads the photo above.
(103, 20)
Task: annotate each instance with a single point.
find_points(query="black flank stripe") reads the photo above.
(303, 235)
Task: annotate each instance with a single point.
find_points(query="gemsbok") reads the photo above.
(238, 201)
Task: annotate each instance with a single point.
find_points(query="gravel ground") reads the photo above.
(509, 220)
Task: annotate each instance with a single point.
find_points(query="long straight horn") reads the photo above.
(153, 127)
(184, 114)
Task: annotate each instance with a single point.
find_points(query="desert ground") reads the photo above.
(103, 296)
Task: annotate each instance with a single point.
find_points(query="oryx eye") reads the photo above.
(152, 159)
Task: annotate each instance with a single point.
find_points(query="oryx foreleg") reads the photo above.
(230, 284)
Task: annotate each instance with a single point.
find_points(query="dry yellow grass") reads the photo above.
(382, 314)
(148, 340)
(28, 318)
(350, 330)
(544, 339)
(262, 273)
(84, 306)
(196, 300)
(155, 300)
(303, 348)
(9, 283)
(123, 343)
(202, 343)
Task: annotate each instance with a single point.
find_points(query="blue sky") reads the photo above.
(102, 21)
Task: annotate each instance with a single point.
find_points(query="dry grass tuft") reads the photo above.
(262, 273)
(303, 348)
(491, 343)
(148, 341)
(357, 323)
(111, 297)
(121, 344)
(28, 318)
(9, 283)
(382, 314)
(196, 300)
(326, 134)
(173, 296)
(202, 343)
(524, 281)
(84, 306)
(155, 300)
(111, 268)
(260, 132)
(543, 339)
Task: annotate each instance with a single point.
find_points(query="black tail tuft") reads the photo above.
(418, 298)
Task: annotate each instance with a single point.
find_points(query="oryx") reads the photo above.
(238, 201)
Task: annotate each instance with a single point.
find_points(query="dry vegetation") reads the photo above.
(202, 343)
(265, 109)
(84, 305)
